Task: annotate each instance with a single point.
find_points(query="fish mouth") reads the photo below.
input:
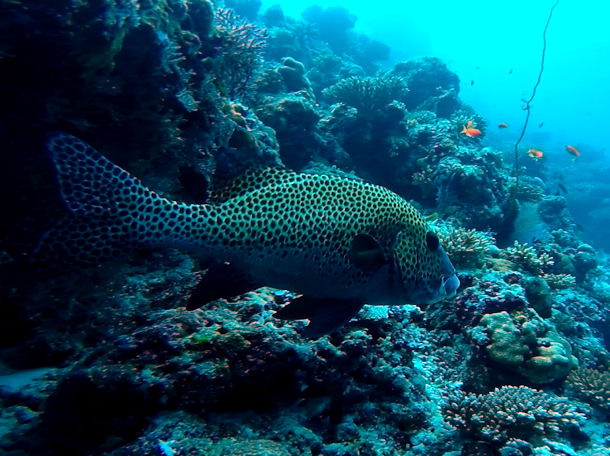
(449, 281)
(449, 286)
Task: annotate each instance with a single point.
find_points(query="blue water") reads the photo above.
(495, 49)
(483, 41)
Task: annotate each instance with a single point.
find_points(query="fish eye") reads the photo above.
(432, 241)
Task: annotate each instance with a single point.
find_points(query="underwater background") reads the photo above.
(425, 99)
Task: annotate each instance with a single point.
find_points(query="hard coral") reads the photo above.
(467, 181)
(236, 50)
(592, 386)
(511, 412)
(559, 281)
(426, 78)
(293, 118)
(487, 296)
(467, 247)
(368, 95)
(527, 258)
(523, 343)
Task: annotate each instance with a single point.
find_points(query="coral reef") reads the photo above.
(236, 47)
(467, 248)
(485, 297)
(188, 94)
(512, 412)
(368, 95)
(591, 386)
(522, 342)
(528, 259)
(427, 78)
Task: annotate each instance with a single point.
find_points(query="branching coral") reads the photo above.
(511, 412)
(527, 258)
(592, 386)
(559, 281)
(538, 263)
(368, 95)
(238, 47)
(467, 248)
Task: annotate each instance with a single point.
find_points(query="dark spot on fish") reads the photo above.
(432, 241)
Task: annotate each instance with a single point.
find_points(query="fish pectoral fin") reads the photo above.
(366, 253)
(220, 280)
(324, 315)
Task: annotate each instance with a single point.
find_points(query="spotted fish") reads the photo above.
(338, 243)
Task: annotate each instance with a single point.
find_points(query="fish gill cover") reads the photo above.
(241, 114)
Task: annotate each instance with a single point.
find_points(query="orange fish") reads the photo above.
(470, 131)
(535, 154)
(573, 150)
(470, 124)
(502, 125)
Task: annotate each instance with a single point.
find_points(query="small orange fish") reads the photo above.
(470, 124)
(502, 125)
(573, 150)
(470, 131)
(535, 154)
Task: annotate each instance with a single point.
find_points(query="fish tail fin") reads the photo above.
(106, 207)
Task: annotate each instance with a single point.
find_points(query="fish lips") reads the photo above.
(449, 282)
(450, 285)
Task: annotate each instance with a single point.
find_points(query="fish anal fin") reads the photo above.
(324, 315)
(366, 253)
(220, 280)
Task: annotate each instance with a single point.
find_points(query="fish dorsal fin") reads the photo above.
(249, 182)
(366, 253)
